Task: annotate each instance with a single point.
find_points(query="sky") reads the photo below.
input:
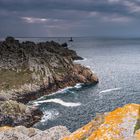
(64, 18)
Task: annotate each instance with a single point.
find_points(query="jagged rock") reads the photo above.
(121, 124)
(29, 70)
(10, 40)
(64, 44)
(13, 113)
(23, 133)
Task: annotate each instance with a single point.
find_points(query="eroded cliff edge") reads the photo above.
(30, 70)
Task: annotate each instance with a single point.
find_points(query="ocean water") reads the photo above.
(117, 64)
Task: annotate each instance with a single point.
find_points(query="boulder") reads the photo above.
(13, 113)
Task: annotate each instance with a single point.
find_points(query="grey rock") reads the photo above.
(30, 70)
(23, 133)
(13, 113)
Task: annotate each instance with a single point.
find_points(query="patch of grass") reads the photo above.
(137, 126)
(60, 70)
(13, 79)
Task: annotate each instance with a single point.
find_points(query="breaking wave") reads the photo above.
(109, 90)
(58, 101)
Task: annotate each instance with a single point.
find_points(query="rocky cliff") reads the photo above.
(120, 124)
(30, 70)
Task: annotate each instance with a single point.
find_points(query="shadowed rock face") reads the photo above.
(30, 70)
(120, 124)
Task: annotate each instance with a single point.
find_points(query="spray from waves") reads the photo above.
(78, 85)
(61, 91)
(109, 90)
(50, 115)
(58, 101)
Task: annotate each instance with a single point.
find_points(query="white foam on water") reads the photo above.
(49, 115)
(109, 90)
(60, 91)
(78, 85)
(58, 101)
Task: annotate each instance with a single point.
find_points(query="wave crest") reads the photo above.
(58, 101)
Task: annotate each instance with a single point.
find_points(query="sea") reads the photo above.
(116, 62)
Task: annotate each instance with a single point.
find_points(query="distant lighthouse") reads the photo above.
(71, 40)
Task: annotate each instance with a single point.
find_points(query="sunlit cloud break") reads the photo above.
(116, 18)
(34, 20)
(70, 18)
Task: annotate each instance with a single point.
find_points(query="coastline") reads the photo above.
(51, 68)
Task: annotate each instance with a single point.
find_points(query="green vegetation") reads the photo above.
(12, 107)
(13, 79)
(137, 126)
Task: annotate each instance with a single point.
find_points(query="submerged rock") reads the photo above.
(120, 124)
(23, 133)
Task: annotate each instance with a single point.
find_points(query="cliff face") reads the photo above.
(120, 124)
(28, 67)
(30, 70)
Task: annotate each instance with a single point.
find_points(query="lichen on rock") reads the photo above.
(23, 133)
(120, 124)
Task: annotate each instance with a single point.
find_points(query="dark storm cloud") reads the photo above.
(68, 17)
(106, 6)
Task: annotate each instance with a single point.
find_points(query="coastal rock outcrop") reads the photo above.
(23, 133)
(121, 124)
(30, 70)
(13, 113)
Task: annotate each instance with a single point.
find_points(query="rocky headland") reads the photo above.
(30, 70)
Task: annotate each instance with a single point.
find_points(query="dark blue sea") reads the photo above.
(117, 64)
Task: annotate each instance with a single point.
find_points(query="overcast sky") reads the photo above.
(40, 18)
